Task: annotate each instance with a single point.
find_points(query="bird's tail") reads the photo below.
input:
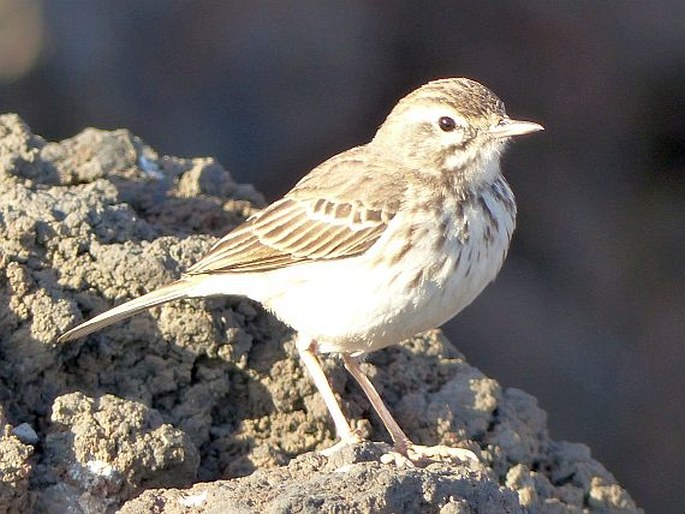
(174, 291)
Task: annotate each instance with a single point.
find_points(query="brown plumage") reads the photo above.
(377, 243)
(304, 226)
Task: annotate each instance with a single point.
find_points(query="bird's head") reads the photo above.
(450, 125)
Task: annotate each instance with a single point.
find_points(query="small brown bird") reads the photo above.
(376, 244)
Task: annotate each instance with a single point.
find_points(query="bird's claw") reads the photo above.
(417, 455)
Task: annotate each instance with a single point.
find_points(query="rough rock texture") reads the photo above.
(200, 391)
(15, 470)
(352, 480)
(110, 448)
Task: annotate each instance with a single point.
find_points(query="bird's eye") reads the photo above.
(447, 124)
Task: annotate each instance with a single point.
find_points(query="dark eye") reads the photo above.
(447, 124)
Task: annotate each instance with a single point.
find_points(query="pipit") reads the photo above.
(375, 245)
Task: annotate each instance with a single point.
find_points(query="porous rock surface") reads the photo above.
(202, 406)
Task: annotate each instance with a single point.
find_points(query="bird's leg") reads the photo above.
(403, 445)
(402, 442)
(307, 350)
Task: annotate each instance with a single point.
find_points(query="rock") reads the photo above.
(25, 433)
(210, 395)
(106, 449)
(353, 480)
(15, 470)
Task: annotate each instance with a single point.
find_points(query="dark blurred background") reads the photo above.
(589, 312)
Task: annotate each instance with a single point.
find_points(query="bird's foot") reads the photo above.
(352, 438)
(415, 455)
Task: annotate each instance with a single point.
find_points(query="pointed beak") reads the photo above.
(509, 128)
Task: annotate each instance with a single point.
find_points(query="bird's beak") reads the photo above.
(509, 128)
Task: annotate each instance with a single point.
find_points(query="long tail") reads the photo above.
(174, 291)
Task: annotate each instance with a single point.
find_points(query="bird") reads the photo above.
(375, 245)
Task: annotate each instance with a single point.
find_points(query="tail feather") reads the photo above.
(173, 291)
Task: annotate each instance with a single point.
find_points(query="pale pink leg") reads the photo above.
(402, 442)
(347, 436)
(409, 452)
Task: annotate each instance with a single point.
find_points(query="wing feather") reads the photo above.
(330, 214)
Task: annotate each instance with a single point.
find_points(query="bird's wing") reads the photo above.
(338, 210)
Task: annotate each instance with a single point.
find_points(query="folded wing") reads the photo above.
(319, 219)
